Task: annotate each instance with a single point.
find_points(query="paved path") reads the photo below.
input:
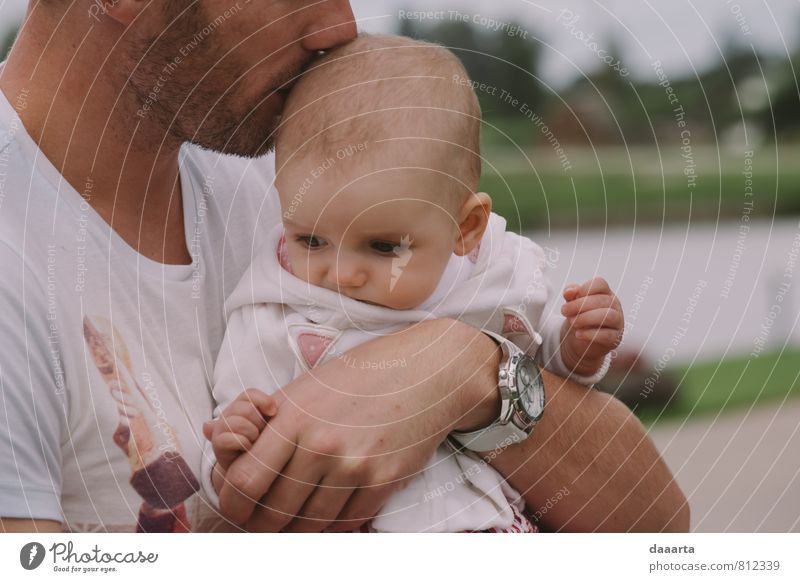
(741, 472)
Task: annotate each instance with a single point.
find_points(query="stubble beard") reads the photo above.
(179, 102)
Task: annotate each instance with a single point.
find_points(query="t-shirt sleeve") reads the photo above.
(31, 399)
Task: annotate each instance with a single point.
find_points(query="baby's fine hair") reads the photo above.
(395, 88)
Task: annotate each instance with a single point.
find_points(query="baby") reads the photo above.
(377, 166)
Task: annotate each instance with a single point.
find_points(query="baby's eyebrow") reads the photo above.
(293, 224)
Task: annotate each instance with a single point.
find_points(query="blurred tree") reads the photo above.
(507, 62)
(7, 41)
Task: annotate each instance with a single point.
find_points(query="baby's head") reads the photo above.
(378, 164)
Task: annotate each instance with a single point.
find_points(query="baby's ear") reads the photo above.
(473, 219)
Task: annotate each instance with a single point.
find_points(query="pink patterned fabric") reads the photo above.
(312, 346)
(283, 255)
(514, 324)
(521, 524)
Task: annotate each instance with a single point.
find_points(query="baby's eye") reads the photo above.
(311, 241)
(383, 247)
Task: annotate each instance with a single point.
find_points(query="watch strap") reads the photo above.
(494, 437)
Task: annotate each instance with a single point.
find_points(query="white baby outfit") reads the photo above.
(280, 326)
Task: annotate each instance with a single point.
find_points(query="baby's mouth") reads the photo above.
(370, 302)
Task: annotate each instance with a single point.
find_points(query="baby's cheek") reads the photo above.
(411, 286)
(299, 264)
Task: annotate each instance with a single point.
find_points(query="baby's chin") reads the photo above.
(392, 303)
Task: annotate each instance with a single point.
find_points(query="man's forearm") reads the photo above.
(589, 466)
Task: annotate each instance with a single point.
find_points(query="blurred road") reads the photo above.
(741, 472)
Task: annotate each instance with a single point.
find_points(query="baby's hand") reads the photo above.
(239, 425)
(593, 328)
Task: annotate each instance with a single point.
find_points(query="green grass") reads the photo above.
(734, 383)
(620, 188)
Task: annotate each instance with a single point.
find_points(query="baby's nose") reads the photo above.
(347, 273)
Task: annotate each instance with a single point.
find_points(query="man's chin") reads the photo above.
(248, 136)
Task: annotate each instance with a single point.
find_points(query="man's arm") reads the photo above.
(358, 434)
(590, 466)
(29, 526)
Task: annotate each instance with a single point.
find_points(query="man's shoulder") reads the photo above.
(27, 202)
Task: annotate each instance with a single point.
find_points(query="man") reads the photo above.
(118, 244)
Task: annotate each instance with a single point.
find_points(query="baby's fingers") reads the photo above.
(593, 287)
(239, 408)
(598, 318)
(262, 401)
(228, 446)
(583, 304)
(235, 424)
(605, 337)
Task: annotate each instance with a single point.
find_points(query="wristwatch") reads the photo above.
(522, 394)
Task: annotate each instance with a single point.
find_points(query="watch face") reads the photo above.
(531, 390)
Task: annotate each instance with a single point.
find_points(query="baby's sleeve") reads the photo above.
(255, 353)
(533, 289)
(549, 356)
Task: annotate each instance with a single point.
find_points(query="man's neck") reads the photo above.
(78, 111)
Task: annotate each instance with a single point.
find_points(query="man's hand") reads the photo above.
(593, 327)
(348, 435)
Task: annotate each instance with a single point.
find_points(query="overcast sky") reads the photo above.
(683, 34)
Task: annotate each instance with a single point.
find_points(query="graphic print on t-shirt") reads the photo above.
(159, 473)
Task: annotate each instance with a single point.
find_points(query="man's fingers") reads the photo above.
(324, 505)
(286, 496)
(228, 446)
(364, 504)
(597, 318)
(251, 475)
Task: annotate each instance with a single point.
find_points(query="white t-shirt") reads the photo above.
(106, 357)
